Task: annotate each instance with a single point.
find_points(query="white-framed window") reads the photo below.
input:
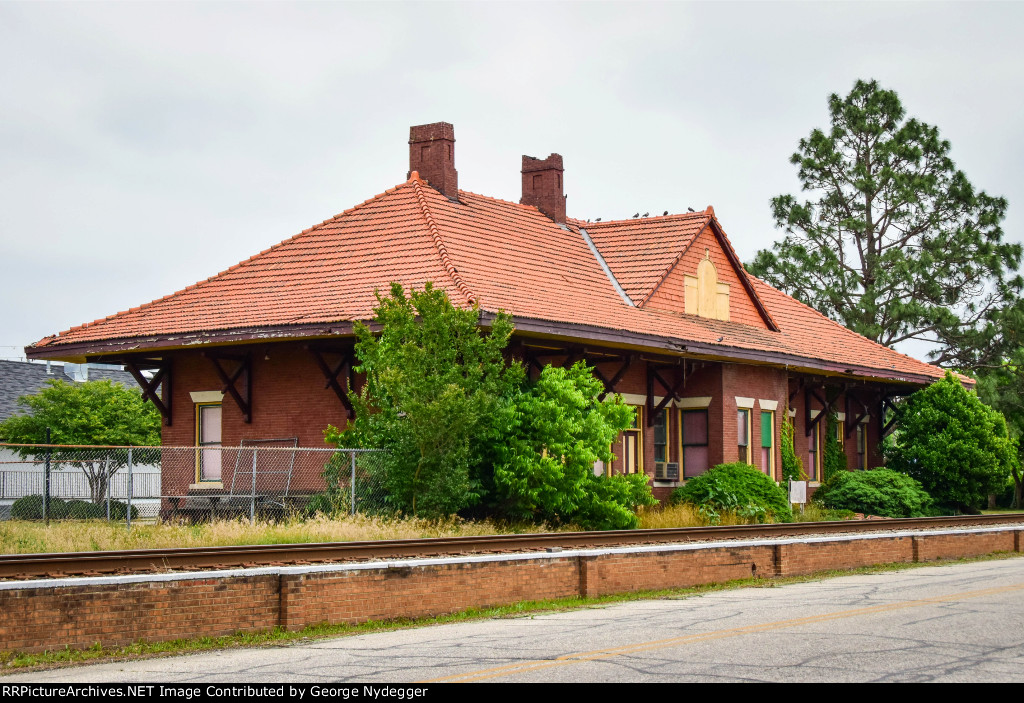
(743, 433)
(208, 439)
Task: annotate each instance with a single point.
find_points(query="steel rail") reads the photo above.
(26, 566)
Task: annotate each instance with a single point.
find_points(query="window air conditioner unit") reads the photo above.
(666, 470)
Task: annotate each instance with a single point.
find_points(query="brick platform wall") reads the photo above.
(81, 612)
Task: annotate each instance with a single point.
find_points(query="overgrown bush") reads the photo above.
(467, 433)
(955, 445)
(737, 487)
(881, 492)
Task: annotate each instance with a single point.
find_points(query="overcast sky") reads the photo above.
(145, 146)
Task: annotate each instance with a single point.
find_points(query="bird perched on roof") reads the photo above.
(664, 213)
(598, 219)
(636, 215)
(647, 214)
(690, 209)
(720, 339)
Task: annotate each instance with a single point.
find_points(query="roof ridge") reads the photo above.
(638, 220)
(232, 267)
(521, 206)
(435, 236)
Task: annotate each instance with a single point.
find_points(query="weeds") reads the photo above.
(20, 537)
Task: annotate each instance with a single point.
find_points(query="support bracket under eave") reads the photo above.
(161, 381)
(239, 376)
(610, 384)
(331, 373)
(886, 402)
(826, 408)
(671, 389)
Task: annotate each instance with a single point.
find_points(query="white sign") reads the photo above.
(798, 492)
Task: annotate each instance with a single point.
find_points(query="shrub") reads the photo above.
(952, 443)
(738, 487)
(877, 492)
(31, 508)
(82, 510)
(119, 511)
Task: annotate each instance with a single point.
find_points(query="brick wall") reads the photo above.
(39, 617)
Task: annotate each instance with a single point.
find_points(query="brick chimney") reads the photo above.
(432, 153)
(542, 186)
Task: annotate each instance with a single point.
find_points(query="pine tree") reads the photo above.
(896, 243)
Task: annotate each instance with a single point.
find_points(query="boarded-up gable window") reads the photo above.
(705, 296)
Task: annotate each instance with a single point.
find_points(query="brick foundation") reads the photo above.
(120, 610)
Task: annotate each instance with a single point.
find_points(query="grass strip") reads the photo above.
(18, 661)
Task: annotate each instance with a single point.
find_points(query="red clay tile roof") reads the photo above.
(500, 255)
(642, 250)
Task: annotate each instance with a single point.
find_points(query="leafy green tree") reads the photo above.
(896, 244)
(953, 444)
(437, 390)
(545, 468)
(89, 413)
(467, 431)
(1002, 387)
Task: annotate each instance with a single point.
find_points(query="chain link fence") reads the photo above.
(266, 479)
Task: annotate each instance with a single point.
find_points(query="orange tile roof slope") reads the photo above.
(503, 255)
(642, 250)
(327, 273)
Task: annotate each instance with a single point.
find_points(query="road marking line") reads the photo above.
(565, 659)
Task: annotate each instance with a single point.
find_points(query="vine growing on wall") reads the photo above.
(792, 467)
(835, 457)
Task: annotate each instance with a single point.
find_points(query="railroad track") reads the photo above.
(31, 566)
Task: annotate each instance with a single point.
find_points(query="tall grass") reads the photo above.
(683, 515)
(20, 537)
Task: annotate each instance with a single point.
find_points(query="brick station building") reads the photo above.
(661, 307)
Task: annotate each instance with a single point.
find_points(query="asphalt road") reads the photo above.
(962, 622)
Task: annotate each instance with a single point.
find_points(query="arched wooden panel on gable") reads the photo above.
(724, 297)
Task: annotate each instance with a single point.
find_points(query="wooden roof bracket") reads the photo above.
(243, 372)
(609, 385)
(826, 408)
(161, 379)
(851, 426)
(331, 374)
(672, 391)
(886, 401)
(795, 393)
